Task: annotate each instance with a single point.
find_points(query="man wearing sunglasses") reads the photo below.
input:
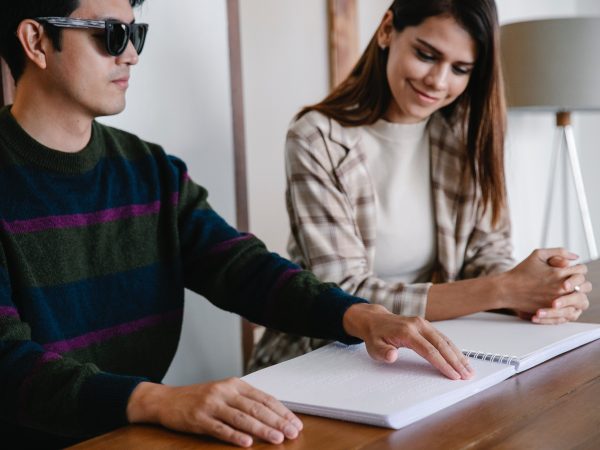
(99, 234)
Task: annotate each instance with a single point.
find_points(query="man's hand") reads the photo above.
(230, 410)
(384, 332)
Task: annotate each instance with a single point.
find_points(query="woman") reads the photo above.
(396, 187)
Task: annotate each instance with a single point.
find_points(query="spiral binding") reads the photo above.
(502, 359)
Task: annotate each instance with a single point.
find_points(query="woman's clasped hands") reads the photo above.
(547, 288)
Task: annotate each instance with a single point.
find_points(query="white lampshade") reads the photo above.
(552, 64)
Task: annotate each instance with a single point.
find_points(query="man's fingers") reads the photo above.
(428, 351)
(272, 404)
(275, 412)
(419, 335)
(450, 352)
(382, 352)
(266, 416)
(226, 433)
(245, 423)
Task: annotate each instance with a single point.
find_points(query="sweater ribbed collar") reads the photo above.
(34, 152)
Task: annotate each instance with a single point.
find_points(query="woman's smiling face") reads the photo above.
(429, 66)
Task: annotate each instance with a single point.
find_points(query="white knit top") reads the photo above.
(398, 160)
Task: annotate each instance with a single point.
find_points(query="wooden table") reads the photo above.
(555, 405)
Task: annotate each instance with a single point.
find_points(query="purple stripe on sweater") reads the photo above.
(226, 245)
(283, 279)
(48, 357)
(80, 220)
(7, 311)
(96, 337)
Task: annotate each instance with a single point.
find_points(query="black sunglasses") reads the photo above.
(117, 34)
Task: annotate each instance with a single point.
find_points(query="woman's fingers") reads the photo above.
(544, 254)
(558, 261)
(563, 317)
(556, 316)
(573, 283)
(576, 299)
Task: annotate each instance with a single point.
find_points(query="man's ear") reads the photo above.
(384, 32)
(34, 41)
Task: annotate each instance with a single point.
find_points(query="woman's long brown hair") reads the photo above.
(479, 112)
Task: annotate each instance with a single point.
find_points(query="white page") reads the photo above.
(531, 343)
(343, 382)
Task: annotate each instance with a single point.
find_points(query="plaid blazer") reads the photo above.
(330, 200)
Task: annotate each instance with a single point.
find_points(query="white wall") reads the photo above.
(180, 97)
(588, 7)
(284, 61)
(518, 10)
(370, 13)
(285, 67)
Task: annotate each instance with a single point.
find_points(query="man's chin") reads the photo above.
(112, 110)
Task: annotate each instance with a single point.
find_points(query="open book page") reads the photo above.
(343, 382)
(530, 343)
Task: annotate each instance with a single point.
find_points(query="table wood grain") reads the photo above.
(555, 405)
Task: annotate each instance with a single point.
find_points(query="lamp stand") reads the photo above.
(565, 135)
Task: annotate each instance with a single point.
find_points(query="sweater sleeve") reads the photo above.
(237, 273)
(42, 390)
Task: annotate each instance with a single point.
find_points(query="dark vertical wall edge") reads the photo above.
(343, 39)
(239, 145)
(7, 85)
(237, 98)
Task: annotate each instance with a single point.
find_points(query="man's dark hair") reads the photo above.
(13, 12)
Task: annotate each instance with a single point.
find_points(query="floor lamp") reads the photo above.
(554, 65)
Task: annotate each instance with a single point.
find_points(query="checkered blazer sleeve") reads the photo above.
(489, 248)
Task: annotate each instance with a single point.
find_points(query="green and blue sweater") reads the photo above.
(96, 249)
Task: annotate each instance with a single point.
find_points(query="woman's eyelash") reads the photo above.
(428, 57)
(461, 70)
(425, 56)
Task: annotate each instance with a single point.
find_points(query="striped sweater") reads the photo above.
(96, 249)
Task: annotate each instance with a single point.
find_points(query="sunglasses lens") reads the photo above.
(138, 36)
(117, 36)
